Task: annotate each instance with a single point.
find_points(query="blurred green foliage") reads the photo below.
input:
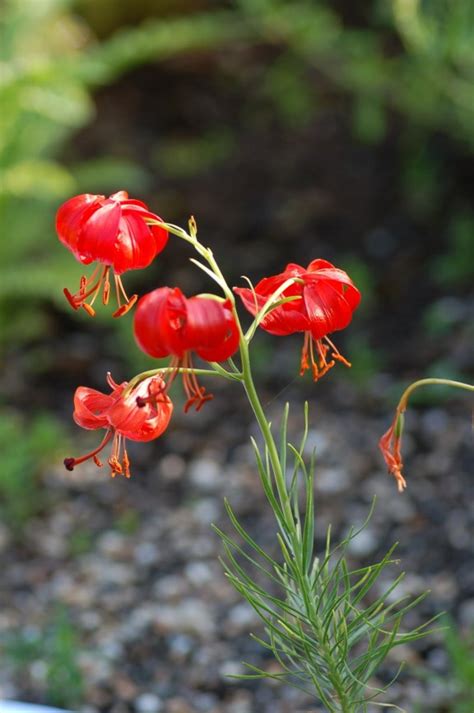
(80, 542)
(56, 648)
(26, 446)
(128, 522)
(458, 683)
(461, 657)
(456, 267)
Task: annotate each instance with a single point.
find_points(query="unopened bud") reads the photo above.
(399, 426)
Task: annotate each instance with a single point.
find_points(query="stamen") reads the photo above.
(196, 394)
(79, 299)
(93, 285)
(157, 390)
(117, 291)
(85, 281)
(106, 292)
(119, 283)
(125, 308)
(126, 463)
(70, 299)
(90, 310)
(115, 467)
(319, 364)
(304, 364)
(129, 302)
(99, 285)
(198, 400)
(336, 354)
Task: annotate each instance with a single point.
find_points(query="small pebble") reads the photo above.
(205, 474)
(148, 703)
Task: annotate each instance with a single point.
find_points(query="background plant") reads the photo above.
(55, 651)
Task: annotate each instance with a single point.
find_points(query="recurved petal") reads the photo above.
(139, 209)
(99, 233)
(154, 333)
(321, 270)
(320, 264)
(91, 408)
(206, 323)
(268, 285)
(211, 329)
(282, 320)
(327, 308)
(71, 217)
(135, 244)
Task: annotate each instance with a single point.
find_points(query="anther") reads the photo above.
(90, 310)
(106, 292)
(115, 466)
(126, 464)
(126, 307)
(342, 359)
(70, 299)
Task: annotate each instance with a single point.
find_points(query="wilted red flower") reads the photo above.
(166, 323)
(122, 418)
(115, 232)
(324, 299)
(390, 445)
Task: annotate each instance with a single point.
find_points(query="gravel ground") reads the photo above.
(158, 628)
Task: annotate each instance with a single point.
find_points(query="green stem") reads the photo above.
(428, 382)
(257, 408)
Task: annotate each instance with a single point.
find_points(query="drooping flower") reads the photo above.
(118, 233)
(119, 414)
(166, 323)
(390, 445)
(322, 300)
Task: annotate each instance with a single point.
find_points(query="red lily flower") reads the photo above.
(115, 232)
(122, 418)
(166, 323)
(324, 299)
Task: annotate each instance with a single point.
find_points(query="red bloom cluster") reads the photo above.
(116, 232)
(166, 323)
(119, 414)
(122, 234)
(323, 299)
